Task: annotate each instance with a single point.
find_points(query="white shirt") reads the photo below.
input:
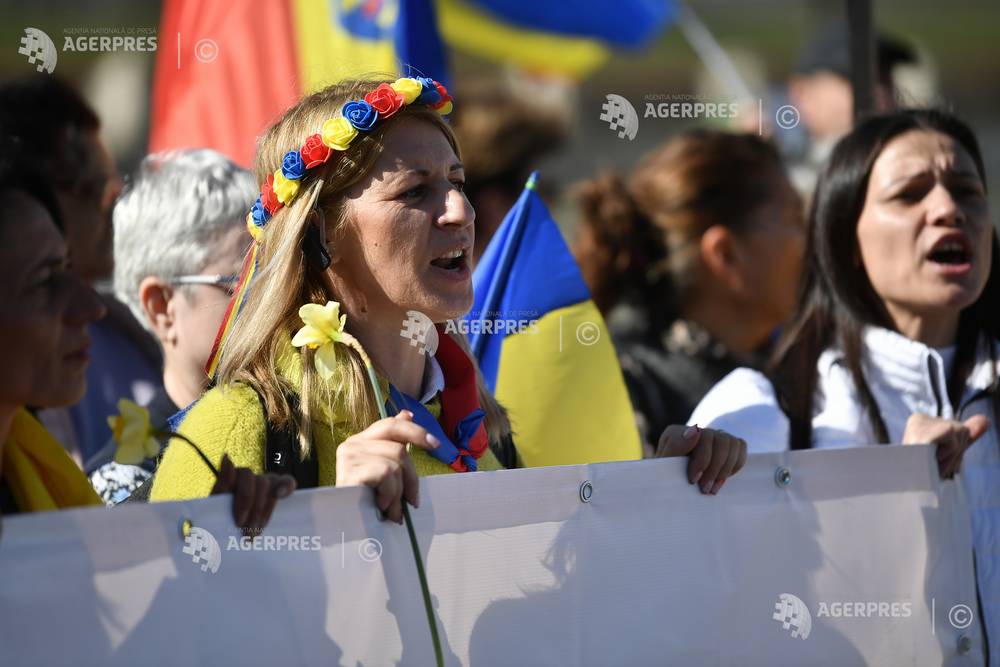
(905, 377)
(433, 380)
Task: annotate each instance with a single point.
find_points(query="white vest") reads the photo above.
(904, 377)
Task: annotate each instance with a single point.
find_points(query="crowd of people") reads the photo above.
(180, 235)
(745, 320)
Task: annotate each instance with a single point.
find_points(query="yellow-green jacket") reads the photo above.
(229, 420)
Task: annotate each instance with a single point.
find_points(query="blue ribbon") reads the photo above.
(448, 451)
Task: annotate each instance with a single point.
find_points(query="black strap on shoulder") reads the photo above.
(281, 456)
(281, 450)
(799, 430)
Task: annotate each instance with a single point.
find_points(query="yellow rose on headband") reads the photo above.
(338, 133)
(409, 88)
(285, 189)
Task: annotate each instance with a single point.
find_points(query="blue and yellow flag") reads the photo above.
(337, 38)
(571, 39)
(345, 38)
(543, 347)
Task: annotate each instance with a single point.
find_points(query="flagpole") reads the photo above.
(490, 303)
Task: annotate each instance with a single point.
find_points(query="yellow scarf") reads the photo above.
(39, 472)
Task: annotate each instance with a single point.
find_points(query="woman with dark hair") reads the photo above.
(896, 333)
(45, 309)
(694, 261)
(60, 136)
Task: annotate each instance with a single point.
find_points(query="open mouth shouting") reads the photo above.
(454, 263)
(952, 255)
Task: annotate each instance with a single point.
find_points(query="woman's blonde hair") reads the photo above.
(284, 281)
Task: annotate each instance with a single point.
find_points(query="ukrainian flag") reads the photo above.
(339, 38)
(567, 38)
(543, 347)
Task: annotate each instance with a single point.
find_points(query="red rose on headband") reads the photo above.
(314, 152)
(268, 199)
(385, 100)
(445, 97)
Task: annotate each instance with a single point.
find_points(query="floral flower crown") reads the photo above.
(336, 134)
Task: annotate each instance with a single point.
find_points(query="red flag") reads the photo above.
(225, 70)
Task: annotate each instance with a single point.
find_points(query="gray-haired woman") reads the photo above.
(179, 239)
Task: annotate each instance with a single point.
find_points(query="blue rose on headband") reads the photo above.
(292, 166)
(429, 95)
(259, 213)
(360, 114)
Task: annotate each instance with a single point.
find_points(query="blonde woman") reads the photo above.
(361, 216)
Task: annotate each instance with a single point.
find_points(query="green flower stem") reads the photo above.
(379, 399)
(414, 545)
(438, 656)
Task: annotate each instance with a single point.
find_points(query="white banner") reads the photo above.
(839, 557)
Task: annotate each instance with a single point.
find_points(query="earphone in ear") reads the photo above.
(314, 242)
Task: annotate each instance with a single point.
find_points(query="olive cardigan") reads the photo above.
(229, 420)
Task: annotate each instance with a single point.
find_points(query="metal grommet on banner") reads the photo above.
(964, 644)
(782, 476)
(586, 491)
(185, 528)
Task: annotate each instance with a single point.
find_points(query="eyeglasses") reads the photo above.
(226, 282)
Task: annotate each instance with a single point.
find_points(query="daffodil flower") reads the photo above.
(133, 433)
(323, 329)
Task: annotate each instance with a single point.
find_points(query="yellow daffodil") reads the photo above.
(285, 189)
(323, 329)
(338, 133)
(133, 434)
